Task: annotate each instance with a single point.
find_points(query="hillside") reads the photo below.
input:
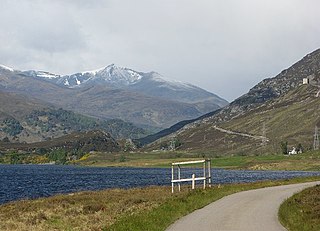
(24, 119)
(290, 118)
(176, 127)
(75, 142)
(276, 110)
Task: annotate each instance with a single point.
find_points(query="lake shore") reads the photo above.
(308, 161)
(34, 181)
(149, 208)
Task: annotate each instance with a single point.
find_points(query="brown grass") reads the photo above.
(80, 211)
(150, 208)
(302, 211)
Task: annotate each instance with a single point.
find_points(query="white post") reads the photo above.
(172, 184)
(193, 181)
(209, 172)
(204, 175)
(179, 177)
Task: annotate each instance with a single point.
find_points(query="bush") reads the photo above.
(12, 127)
(284, 147)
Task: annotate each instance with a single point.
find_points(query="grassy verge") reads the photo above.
(151, 208)
(306, 161)
(301, 212)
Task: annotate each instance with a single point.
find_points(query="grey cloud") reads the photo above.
(223, 46)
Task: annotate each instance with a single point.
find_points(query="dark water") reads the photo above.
(32, 181)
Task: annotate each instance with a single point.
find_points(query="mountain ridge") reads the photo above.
(149, 83)
(275, 98)
(141, 103)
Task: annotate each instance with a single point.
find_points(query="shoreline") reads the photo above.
(98, 178)
(118, 209)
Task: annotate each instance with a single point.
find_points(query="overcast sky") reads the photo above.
(224, 46)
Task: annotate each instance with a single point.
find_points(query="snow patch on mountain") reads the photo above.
(173, 84)
(42, 74)
(66, 83)
(6, 68)
(93, 72)
(49, 75)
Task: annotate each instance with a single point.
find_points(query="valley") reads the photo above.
(277, 115)
(159, 115)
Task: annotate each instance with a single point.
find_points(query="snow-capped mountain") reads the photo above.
(111, 75)
(148, 83)
(143, 98)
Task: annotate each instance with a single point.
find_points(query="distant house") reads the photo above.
(305, 81)
(293, 151)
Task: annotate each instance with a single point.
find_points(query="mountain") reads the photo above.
(115, 93)
(278, 109)
(150, 84)
(24, 119)
(77, 142)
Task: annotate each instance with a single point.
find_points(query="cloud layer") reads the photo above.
(223, 46)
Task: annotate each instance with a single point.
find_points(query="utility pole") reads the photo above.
(316, 139)
(264, 135)
(172, 145)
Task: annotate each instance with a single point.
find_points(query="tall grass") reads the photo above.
(301, 212)
(150, 208)
(174, 208)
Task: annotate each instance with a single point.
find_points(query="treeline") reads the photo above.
(11, 126)
(54, 119)
(57, 156)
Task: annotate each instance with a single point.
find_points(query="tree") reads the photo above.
(299, 148)
(284, 147)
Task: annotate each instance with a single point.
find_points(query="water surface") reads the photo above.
(33, 181)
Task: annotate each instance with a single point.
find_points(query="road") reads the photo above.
(254, 210)
(241, 134)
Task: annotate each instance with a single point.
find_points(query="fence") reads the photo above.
(206, 178)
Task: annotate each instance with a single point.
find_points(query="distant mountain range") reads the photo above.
(278, 109)
(133, 103)
(150, 84)
(145, 99)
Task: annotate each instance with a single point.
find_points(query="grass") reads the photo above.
(79, 211)
(151, 208)
(301, 212)
(306, 161)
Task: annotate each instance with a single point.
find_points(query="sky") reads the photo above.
(223, 46)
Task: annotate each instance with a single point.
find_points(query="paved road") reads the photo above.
(254, 210)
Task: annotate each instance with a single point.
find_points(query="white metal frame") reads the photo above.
(206, 178)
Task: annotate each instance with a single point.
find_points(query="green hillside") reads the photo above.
(24, 119)
(290, 118)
